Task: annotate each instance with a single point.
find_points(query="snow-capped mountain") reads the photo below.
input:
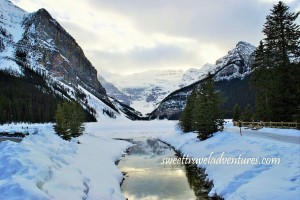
(38, 42)
(230, 73)
(193, 75)
(143, 90)
(241, 53)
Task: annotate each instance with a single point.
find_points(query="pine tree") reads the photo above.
(282, 35)
(61, 127)
(247, 114)
(76, 120)
(186, 118)
(237, 111)
(275, 63)
(283, 42)
(262, 79)
(296, 116)
(69, 120)
(207, 114)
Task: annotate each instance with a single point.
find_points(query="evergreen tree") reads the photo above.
(69, 120)
(275, 63)
(296, 116)
(76, 120)
(61, 126)
(262, 79)
(247, 114)
(282, 35)
(207, 114)
(186, 118)
(237, 111)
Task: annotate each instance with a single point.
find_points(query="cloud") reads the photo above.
(135, 35)
(276, 1)
(211, 21)
(160, 56)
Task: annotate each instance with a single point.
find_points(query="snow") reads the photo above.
(10, 20)
(146, 89)
(193, 75)
(99, 106)
(129, 129)
(43, 166)
(260, 181)
(10, 66)
(230, 181)
(11, 17)
(143, 106)
(284, 132)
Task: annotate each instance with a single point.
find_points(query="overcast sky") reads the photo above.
(127, 36)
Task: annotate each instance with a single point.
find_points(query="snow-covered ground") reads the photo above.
(282, 132)
(43, 166)
(246, 181)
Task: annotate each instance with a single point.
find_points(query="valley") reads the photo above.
(149, 100)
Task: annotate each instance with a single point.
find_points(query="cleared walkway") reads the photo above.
(271, 136)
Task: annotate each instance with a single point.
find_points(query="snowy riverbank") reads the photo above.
(245, 181)
(44, 166)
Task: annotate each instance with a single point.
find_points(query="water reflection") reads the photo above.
(147, 178)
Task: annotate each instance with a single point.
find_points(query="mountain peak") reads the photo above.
(44, 12)
(243, 43)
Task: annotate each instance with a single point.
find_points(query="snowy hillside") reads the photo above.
(193, 75)
(145, 89)
(11, 31)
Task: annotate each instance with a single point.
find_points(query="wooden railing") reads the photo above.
(294, 125)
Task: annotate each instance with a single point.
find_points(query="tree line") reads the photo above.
(276, 75)
(29, 98)
(26, 98)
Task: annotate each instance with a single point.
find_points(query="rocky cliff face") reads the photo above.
(49, 47)
(231, 69)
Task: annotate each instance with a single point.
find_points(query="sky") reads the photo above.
(128, 36)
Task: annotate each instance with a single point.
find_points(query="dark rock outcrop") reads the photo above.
(47, 45)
